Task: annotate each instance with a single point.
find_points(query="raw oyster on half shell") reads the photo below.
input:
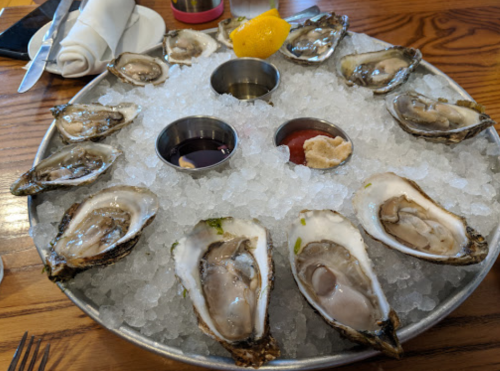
(398, 213)
(81, 122)
(438, 120)
(226, 267)
(139, 69)
(100, 231)
(380, 71)
(226, 27)
(334, 273)
(315, 41)
(181, 46)
(73, 165)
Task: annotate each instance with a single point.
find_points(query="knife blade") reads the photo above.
(38, 64)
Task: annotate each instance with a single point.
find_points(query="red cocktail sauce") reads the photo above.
(295, 141)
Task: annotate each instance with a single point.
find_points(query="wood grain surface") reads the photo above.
(460, 37)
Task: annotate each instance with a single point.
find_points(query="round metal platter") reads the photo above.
(90, 93)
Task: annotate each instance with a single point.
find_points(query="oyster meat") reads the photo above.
(398, 213)
(381, 71)
(226, 27)
(334, 273)
(315, 40)
(101, 230)
(226, 267)
(437, 120)
(139, 69)
(81, 122)
(181, 46)
(73, 165)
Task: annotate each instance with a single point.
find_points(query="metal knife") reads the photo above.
(38, 64)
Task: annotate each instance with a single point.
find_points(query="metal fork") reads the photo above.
(19, 351)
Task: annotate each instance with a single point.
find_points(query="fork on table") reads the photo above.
(19, 351)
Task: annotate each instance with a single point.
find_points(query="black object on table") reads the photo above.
(14, 41)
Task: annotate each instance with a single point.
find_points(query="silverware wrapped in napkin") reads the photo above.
(93, 39)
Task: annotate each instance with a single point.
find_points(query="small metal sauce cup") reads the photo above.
(247, 79)
(196, 127)
(310, 123)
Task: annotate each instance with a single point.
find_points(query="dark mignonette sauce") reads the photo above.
(196, 153)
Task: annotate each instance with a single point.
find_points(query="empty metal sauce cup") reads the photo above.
(247, 79)
(310, 123)
(195, 127)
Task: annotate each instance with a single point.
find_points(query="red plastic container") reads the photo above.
(198, 17)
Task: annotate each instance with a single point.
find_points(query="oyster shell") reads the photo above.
(334, 273)
(181, 46)
(226, 27)
(226, 267)
(139, 69)
(381, 71)
(81, 122)
(73, 165)
(101, 230)
(397, 212)
(437, 120)
(315, 41)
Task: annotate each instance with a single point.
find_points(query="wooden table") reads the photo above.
(460, 37)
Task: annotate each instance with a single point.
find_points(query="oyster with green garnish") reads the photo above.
(334, 273)
(226, 267)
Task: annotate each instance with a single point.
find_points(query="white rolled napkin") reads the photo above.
(94, 37)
